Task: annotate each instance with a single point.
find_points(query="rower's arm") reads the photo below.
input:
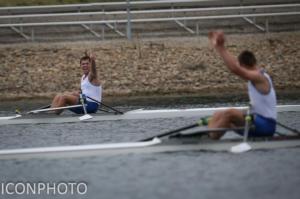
(93, 72)
(233, 65)
(218, 40)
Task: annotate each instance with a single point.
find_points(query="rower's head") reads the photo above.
(85, 64)
(247, 59)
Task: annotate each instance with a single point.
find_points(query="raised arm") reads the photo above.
(93, 73)
(218, 41)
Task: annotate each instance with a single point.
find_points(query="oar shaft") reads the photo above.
(288, 128)
(172, 132)
(101, 103)
(46, 106)
(103, 110)
(53, 109)
(210, 130)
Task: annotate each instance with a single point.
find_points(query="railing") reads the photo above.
(113, 14)
(99, 6)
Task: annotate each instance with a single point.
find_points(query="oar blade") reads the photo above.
(10, 117)
(85, 117)
(241, 148)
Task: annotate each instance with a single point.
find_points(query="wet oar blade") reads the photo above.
(85, 117)
(240, 148)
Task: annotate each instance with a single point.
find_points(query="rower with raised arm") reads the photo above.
(90, 88)
(260, 90)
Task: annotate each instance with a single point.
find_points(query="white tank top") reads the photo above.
(263, 104)
(90, 90)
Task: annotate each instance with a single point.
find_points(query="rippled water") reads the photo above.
(191, 175)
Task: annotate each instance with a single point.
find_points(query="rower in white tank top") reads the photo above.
(263, 104)
(260, 89)
(90, 90)
(90, 86)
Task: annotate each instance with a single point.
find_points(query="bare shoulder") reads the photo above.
(262, 83)
(95, 82)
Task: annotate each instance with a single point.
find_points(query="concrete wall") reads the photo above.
(160, 66)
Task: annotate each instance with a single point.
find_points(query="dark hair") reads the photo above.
(85, 58)
(247, 58)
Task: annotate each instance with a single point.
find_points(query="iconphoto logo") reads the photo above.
(41, 188)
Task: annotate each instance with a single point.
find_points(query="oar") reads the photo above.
(201, 122)
(53, 109)
(101, 103)
(171, 132)
(288, 128)
(19, 114)
(104, 110)
(17, 111)
(198, 124)
(46, 106)
(209, 130)
(244, 146)
(85, 116)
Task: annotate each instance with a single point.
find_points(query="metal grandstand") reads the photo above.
(145, 19)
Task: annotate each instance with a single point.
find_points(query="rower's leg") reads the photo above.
(63, 100)
(55, 101)
(225, 119)
(72, 93)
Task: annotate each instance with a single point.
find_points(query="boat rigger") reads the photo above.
(129, 115)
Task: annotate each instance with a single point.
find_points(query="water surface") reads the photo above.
(192, 175)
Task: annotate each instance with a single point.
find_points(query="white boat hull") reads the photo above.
(154, 146)
(130, 115)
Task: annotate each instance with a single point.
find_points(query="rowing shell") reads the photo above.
(153, 146)
(130, 115)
